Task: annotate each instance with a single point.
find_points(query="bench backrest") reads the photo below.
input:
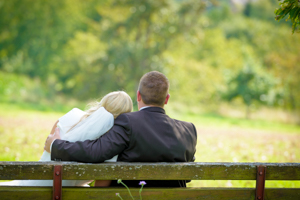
(150, 171)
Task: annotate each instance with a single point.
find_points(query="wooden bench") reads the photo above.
(149, 171)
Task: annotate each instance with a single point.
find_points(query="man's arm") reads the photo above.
(108, 145)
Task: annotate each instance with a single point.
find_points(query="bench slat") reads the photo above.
(8, 193)
(148, 171)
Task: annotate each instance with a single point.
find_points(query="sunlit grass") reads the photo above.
(228, 139)
(23, 133)
(246, 145)
(202, 118)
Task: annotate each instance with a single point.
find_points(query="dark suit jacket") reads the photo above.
(148, 135)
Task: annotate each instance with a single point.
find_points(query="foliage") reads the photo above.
(277, 57)
(92, 54)
(85, 49)
(34, 32)
(250, 85)
(18, 88)
(29, 93)
(291, 8)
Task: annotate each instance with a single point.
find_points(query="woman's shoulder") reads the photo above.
(77, 111)
(70, 118)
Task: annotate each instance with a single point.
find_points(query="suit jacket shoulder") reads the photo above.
(155, 137)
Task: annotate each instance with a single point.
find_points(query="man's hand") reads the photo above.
(50, 139)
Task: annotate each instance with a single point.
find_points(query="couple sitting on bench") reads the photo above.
(110, 132)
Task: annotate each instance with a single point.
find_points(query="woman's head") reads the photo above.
(117, 103)
(114, 102)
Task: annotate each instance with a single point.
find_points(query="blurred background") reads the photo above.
(233, 70)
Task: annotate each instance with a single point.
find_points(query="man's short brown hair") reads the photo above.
(154, 88)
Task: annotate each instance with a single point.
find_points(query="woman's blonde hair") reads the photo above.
(114, 102)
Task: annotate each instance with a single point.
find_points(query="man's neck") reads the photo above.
(147, 106)
(144, 107)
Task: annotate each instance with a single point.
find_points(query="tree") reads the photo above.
(291, 8)
(250, 86)
(133, 37)
(34, 32)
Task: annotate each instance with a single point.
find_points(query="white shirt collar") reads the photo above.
(144, 107)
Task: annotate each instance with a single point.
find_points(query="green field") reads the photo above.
(220, 139)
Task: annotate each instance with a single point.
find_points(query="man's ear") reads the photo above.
(167, 98)
(139, 97)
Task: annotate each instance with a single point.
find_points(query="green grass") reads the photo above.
(44, 106)
(23, 131)
(227, 139)
(221, 122)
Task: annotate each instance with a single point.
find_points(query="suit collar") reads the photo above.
(154, 109)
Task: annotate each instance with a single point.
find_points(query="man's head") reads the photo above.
(153, 89)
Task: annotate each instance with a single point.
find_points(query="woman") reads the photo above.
(78, 125)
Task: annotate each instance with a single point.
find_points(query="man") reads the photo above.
(148, 135)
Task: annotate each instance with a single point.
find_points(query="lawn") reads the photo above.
(220, 139)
